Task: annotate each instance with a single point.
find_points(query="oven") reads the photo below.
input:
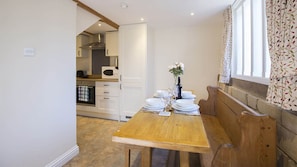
(85, 92)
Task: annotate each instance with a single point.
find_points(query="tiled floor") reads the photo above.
(97, 150)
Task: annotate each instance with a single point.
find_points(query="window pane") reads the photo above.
(247, 38)
(267, 63)
(250, 55)
(267, 60)
(258, 53)
(238, 40)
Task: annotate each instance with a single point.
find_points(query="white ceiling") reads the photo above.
(158, 13)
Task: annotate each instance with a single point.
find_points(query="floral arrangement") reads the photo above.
(177, 69)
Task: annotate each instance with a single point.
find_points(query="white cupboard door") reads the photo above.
(81, 40)
(112, 43)
(133, 52)
(108, 104)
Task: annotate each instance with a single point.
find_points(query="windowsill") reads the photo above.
(264, 81)
(256, 89)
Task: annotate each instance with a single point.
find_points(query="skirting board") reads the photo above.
(64, 158)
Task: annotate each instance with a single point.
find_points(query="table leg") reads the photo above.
(146, 157)
(127, 156)
(184, 159)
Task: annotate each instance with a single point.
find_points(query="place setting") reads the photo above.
(164, 102)
(154, 105)
(186, 106)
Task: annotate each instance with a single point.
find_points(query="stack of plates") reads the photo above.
(154, 104)
(186, 106)
(188, 95)
(161, 93)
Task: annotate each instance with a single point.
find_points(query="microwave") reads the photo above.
(110, 72)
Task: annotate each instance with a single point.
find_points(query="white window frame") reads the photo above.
(264, 78)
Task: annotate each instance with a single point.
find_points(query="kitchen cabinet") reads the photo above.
(112, 43)
(136, 68)
(81, 49)
(107, 99)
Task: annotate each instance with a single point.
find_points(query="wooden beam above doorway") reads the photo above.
(94, 12)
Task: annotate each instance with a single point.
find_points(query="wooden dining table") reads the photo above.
(147, 130)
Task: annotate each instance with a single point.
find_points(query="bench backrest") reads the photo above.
(253, 135)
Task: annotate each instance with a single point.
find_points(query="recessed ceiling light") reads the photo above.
(192, 13)
(99, 24)
(124, 5)
(141, 19)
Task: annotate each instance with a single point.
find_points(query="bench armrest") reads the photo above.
(207, 106)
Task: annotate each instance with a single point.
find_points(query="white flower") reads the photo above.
(177, 69)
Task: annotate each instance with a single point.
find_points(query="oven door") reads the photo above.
(85, 95)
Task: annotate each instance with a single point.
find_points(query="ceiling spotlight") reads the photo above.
(99, 24)
(141, 19)
(192, 13)
(124, 5)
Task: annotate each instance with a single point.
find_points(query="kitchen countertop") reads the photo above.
(96, 78)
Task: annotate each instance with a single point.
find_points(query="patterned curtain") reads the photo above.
(225, 67)
(282, 39)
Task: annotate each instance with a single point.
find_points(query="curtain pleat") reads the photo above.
(225, 64)
(282, 34)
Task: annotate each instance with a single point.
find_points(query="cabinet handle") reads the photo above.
(106, 51)
(106, 98)
(105, 85)
(106, 92)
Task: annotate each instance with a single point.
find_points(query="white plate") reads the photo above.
(162, 93)
(189, 96)
(185, 101)
(186, 93)
(153, 107)
(186, 105)
(154, 101)
(191, 107)
(195, 112)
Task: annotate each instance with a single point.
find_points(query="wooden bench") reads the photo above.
(238, 135)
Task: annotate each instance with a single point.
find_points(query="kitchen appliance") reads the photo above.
(81, 74)
(110, 72)
(85, 92)
(97, 42)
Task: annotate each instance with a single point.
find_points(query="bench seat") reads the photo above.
(238, 135)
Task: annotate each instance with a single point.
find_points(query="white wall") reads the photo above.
(37, 94)
(84, 20)
(197, 47)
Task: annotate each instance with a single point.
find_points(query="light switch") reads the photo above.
(29, 52)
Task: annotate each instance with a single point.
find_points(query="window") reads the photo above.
(250, 59)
